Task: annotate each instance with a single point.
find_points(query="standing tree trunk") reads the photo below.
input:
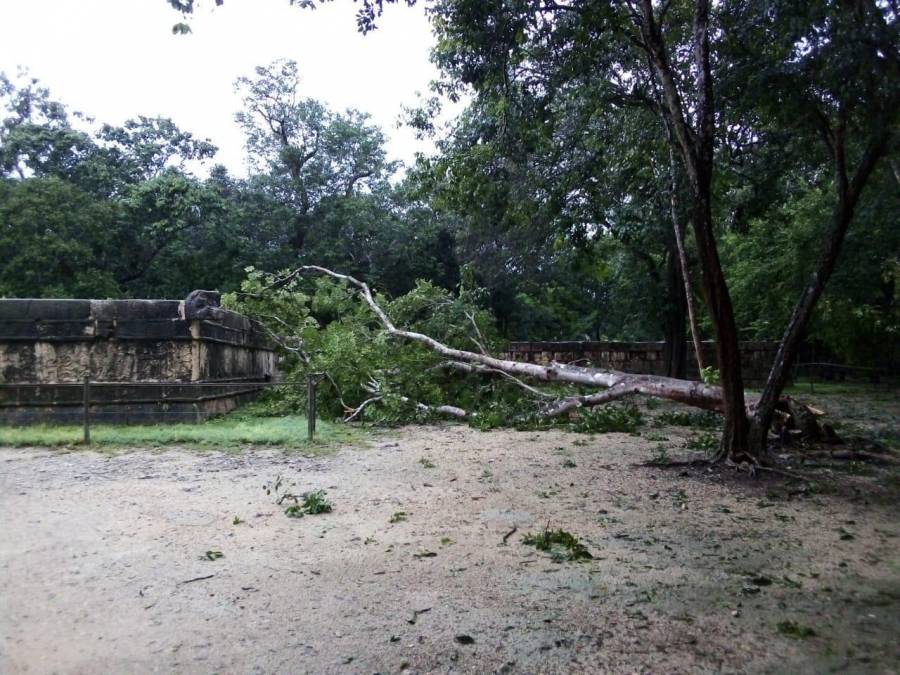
(675, 351)
(685, 271)
(735, 435)
(848, 193)
(691, 128)
(694, 144)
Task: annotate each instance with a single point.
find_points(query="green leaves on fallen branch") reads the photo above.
(561, 545)
(313, 503)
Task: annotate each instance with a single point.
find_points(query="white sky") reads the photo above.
(116, 59)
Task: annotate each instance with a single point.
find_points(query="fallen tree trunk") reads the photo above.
(374, 388)
(616, 384)
(612, 384)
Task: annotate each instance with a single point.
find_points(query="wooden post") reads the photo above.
(311, 405)
(86, 403)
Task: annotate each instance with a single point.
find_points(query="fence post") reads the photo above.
(311, 405)
(86, 403)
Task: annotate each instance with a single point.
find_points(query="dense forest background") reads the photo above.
(554, 197)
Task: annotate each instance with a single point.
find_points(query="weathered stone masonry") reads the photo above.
(125, 345)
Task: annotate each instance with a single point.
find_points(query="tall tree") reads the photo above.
(36, 134)
(833, 75)
(131, 197)
(669, 58)
(56, 240)
(545, 178)
(309, 154)
(148, 146)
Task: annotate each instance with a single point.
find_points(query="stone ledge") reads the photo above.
(247, 333)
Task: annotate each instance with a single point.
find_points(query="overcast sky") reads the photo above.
(115, 59)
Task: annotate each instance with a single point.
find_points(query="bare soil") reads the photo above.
(103, 565)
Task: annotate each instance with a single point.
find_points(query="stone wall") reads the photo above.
(48, 347)
(640, 357)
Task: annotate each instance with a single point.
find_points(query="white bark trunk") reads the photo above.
(616, 384)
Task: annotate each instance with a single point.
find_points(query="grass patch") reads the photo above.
(315, 503)
(702, 419)
(707, 442)
(660, 455)
(231, 431)
(794, 630)
(622, 418)
(881, 391)
(561, 545)
(612, 418)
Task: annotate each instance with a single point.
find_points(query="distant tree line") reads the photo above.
(95, 210)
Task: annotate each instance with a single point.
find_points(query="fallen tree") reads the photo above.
(607, 385)
(408, 359)
(617, 384)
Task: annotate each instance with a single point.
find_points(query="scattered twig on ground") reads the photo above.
(190, 581)
(506, 536)
(415, 615)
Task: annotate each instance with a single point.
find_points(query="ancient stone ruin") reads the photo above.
(127, 348)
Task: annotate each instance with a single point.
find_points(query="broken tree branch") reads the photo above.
(574, 402)
(474, 368)
(353, 413)
(695, 394)
(449, 410)
(479, 341)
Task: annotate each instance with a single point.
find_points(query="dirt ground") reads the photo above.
(103, 565)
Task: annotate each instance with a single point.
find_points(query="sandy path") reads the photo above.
(95, 550)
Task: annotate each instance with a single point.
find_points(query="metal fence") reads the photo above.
(130, 402)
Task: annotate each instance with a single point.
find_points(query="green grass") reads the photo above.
(880, 391)
(227, 432)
